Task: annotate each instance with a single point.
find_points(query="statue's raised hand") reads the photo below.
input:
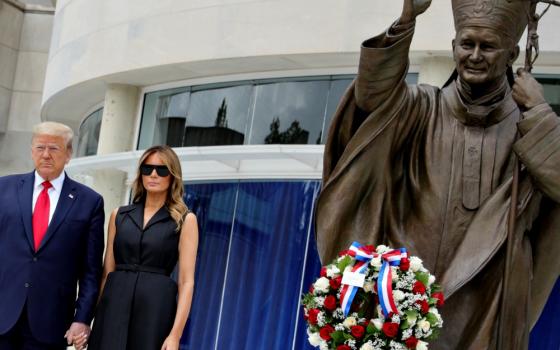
(413, 8)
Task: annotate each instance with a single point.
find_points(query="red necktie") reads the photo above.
(41, 215)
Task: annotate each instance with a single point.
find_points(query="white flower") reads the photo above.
(415, 263)
(377, 323)
(349, 322)
(382, 249)
(395, 273)
(431, 280)
(322, 285)
(398, 295)
(424, 325)
(367, 346)
(434, 311)
(422, 345)
(314, 339)
(332, 271)
(324, 346)
(376, 261)
(368, 286)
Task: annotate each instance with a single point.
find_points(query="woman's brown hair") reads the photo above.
(174, 201)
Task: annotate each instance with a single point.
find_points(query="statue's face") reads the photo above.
(482, 55)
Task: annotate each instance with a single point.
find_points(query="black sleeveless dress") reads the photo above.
(137, 308)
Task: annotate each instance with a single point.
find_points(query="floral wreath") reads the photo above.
(373, 299)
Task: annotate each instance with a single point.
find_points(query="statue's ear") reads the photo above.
(513, 55)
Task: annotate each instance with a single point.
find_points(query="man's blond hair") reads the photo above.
(55, 129)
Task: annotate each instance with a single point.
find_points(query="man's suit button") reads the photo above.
(34, 259)
(27, 285)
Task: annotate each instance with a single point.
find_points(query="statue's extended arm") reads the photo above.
(384, 59)
(539, 145)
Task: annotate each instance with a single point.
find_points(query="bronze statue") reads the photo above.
(431, 169)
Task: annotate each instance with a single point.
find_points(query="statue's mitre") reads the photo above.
(508, 17)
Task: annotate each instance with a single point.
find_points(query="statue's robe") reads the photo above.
(415, 167)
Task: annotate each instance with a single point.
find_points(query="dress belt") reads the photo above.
(140, 268)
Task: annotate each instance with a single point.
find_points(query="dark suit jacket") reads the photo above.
(46, 280)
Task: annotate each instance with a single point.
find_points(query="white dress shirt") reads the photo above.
(54, 191)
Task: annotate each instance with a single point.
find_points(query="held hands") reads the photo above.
(527, 92)
(413, 8)
(78, 335)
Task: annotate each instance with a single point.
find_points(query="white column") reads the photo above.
(435, 70)
(116, 135)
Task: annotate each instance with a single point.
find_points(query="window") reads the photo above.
(551, 87)
(268, 111)
(88, 136)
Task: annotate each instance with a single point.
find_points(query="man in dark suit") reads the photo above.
(51, 240)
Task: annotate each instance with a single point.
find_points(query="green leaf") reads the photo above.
(404, 324)
(423, 277)
(370, 329)
(430, 317)
(346, 261)
(411, 316)
(436, 288)
(338, 337)
(434, 335)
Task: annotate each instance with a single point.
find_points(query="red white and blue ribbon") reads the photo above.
(384, 280)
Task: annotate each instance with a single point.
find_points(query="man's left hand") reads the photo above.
(527, 92)
(78, 335)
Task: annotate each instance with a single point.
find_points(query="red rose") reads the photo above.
(418, 288)
(323, 271)
(311, 289)
(357, 331)
(424, 307)
(343, 347)
(440, 298)
(405, 264)
(312, 315)
(390, 329)
(335, 282)
(330, 303)
(411, 342)
(345, 252)
(326, 331)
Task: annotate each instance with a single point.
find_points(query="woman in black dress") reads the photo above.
(141, 307)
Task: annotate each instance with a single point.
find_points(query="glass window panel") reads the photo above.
(551, 91)
(159, 108)
(88, 138)
(289, 112)
(218, 116)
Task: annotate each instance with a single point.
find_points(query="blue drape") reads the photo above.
(546, 333)
(256, 256)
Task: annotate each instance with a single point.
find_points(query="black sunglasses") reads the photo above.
(147, 169)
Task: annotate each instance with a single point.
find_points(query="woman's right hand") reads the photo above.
(413, 8)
